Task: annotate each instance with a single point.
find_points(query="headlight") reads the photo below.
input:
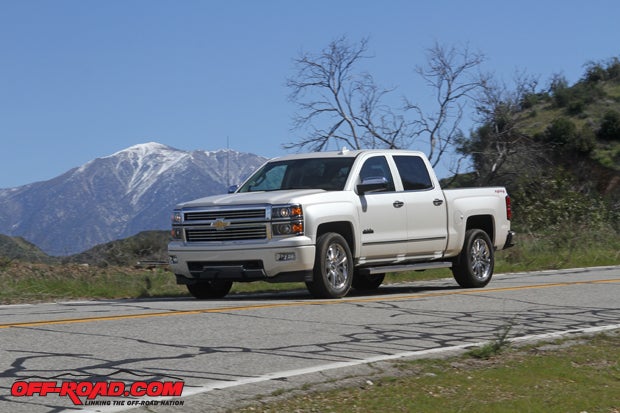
(176, 217)
(286, 211)
(288, 220)
(177, 231)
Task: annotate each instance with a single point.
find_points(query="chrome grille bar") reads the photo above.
(231, 233)
(225, 214)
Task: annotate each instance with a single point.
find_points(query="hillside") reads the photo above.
(582, 123)
(592, 107)
(17, 248)
(143, 247)
(557, 151)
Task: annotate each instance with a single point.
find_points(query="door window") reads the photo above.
(377, 167)
(413, 173)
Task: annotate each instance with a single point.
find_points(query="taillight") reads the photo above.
(508, 208)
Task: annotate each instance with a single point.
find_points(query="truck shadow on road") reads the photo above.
(303, 294)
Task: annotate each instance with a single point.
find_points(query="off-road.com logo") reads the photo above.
(78, 392)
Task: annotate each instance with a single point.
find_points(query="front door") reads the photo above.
(382, 217)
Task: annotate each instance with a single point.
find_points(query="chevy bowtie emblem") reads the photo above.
(220, 224)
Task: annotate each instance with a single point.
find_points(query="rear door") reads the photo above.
(425, 206)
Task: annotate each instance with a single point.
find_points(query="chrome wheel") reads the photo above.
(336, 266)
(333, 267)
(473, 268)
(481, 259)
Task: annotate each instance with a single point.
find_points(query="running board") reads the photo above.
(408, 267)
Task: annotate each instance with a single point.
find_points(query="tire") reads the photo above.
(473, 268)
(333, 267)
(210, 289)
(367, 282)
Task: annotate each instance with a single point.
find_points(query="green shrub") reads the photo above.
(610, 127)
(560, 132)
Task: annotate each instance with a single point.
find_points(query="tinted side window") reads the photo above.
(377, 167)
(413, 173)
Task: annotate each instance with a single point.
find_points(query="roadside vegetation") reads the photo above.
(40, 282)
(571, 375)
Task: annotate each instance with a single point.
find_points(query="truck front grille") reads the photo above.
(230, 233)
(231, 223)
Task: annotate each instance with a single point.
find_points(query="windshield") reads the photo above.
(329, 174)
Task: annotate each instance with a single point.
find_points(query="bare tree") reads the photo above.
(453, 76)
(499, 148)
(339, 104)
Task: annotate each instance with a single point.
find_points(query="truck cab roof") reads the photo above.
(347, 153)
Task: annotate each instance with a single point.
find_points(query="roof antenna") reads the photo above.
(227, 162)
(343, 150)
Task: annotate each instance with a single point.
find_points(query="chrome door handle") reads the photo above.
(398, 204)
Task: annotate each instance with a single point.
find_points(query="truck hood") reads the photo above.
(250, 198)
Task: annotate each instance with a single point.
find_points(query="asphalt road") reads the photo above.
(235, 348)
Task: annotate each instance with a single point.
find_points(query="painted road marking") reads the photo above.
(298, 304)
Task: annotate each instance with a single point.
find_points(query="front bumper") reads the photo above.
(294, 258)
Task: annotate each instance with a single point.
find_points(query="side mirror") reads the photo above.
(232, 189)
(372, 184)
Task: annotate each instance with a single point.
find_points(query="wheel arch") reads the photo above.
(483, 222)
(344, 228)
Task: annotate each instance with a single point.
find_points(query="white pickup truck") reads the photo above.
(337, 220)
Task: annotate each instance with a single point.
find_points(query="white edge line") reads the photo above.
(220, 385)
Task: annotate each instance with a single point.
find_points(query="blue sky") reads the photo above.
(81, 79)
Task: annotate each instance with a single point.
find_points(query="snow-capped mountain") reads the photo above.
(117, 196)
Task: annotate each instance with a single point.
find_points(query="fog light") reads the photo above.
(176, 233)
(282, 229)
(288, 228)
(173, 259)
(285, 256)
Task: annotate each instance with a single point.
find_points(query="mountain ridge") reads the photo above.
(118, 195)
